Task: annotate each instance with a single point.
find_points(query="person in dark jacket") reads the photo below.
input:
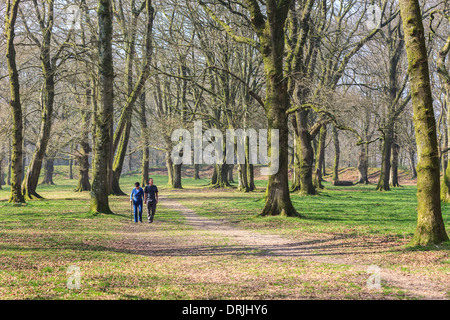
(151, 199)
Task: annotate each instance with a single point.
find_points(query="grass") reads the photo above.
(171, 260)
(358, 210)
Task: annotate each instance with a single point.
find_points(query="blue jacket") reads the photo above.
(137, 195)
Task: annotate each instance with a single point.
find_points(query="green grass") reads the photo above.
(40, 239)
(358, 209)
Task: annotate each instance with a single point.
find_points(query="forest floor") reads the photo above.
(208, 244)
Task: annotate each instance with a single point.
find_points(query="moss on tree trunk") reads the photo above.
(104, 118)
(145, 139)
(337, 154)
(15, 104)
(2, 178)
(430, 225)
(394, 164)
(119, 160)
(122, 133)
(320, 163)
(83, 154)
(220, 177)
(169, 166)
(305, 154)
(383, 182)
(48, 69)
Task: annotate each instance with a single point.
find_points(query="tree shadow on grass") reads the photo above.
(155, 248)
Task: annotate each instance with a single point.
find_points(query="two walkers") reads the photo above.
(148, 196)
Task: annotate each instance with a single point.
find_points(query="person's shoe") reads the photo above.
(150, 221)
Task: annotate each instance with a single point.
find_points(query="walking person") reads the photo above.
(136, 199)
(151, 199)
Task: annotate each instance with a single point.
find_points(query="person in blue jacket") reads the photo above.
(137, 194)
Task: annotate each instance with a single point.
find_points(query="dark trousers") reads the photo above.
(137, 205)
(151, 209)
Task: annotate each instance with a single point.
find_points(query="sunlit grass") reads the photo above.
(40, 239)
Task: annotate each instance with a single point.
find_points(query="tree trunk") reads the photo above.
(230, 173)
(337, 154)
(104, 118)
(15, 105)
(71, 162)
(130, 162)
(251, 177)
(71, 169)
(295, 184)
(242, 178)
(383, 183)
(119, 161)
(320, 158)
(177, 177)
(430, 225)
(8, 176)
(24, 147)
(220, 176)
(318, 179)
(445, 187)
(85, 148)
(145, 162)
(394, 164)
(412, 163)
(214, 176)
(83, 160)
(278, 200)
(49, 168)
(270, 29)
(2, 178)
(169, 166)
(196, 172)
(2, 173)
(445, 155)
(30, 183)
(363, 164)
(305, 154)
(243, 174)
(249, 171)
(445, 81)
(122, 133)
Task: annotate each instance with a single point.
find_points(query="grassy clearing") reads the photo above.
(41, 239)
(170, 260)
(370, 226)
(359, 210)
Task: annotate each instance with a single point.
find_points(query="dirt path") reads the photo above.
(322, 251)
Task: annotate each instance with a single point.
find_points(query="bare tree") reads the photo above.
(16, 107)
(104, 118)
(430, 225)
